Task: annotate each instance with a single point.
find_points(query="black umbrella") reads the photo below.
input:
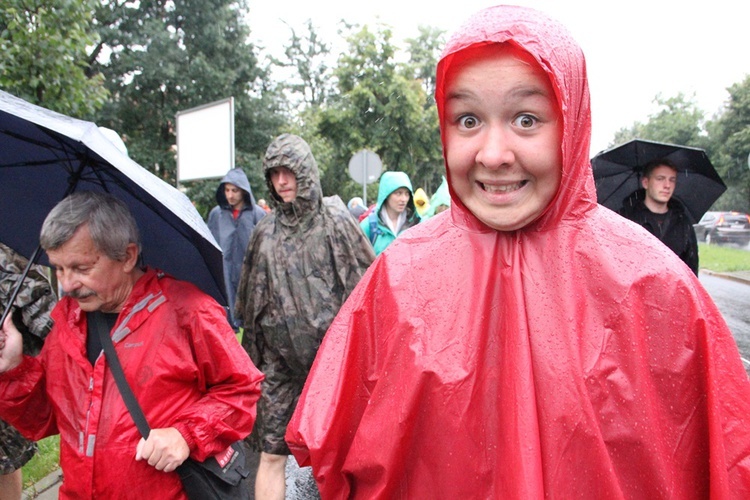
(44, 156)
(617, 173)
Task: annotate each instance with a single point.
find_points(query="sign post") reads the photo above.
(364, 168)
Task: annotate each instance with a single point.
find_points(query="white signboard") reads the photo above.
(205, 141)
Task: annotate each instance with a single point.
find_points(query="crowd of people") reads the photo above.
(506, 337)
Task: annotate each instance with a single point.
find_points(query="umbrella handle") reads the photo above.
(17, 288)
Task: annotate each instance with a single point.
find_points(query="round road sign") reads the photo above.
(365, 167)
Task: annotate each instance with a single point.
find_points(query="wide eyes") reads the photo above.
(468, 121)
(525, 121)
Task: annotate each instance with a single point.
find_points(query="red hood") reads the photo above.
(563, 61)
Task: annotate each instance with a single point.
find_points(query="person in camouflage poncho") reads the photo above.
(33, 304)
(303, 261)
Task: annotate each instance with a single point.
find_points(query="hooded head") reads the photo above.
(441, 198)
(294, 153)
(422, 202)
(237, 177)
(543, 47)
(355, 202)
(390, 182)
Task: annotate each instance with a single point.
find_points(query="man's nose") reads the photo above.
(68, 282)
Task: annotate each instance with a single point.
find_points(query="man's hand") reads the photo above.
(11, 345)
(165, 449)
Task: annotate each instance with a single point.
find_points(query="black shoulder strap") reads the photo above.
(116, 368)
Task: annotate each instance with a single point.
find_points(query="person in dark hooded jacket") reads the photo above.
(232, 222)
(303, 261)
(654, 208)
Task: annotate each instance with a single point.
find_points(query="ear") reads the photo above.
(131, 257)
(644, 182)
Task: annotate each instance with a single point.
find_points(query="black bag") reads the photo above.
(208, 479)
(219, 479)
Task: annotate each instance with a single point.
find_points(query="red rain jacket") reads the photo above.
(185, 367)
(577, 357)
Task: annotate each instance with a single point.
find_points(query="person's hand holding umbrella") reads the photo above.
(11, 345)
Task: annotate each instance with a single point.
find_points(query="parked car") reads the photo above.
(724, 227)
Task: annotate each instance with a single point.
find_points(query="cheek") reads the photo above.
(459, 153)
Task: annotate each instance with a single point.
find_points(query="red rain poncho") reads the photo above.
(577, 357)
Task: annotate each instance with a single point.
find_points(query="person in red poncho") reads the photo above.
(527, 343)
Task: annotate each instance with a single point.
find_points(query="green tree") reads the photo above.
(380, 106)
(166, 57)
(677, 121)
(306, 58)
(424, 51)
(730, 147)
(45, 59)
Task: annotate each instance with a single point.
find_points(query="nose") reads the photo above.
(283, 177)
(67, 281)
(494, 148)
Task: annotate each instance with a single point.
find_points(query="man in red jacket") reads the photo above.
(196, 385)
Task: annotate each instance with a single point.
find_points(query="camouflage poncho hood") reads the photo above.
(34, 302)
(293, 152)
(303, 261)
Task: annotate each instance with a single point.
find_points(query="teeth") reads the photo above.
(501, 189)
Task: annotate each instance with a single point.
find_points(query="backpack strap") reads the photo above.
(374, 229)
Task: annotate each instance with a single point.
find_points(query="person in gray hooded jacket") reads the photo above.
(232, 222)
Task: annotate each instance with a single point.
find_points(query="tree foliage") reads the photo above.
(166, 57)
(45, 59)
(730, 153)
(306, 58)
(676, 121)
(423, 56)
(379, 106)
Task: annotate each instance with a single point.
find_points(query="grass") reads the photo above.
(44, 462)
(723, 259)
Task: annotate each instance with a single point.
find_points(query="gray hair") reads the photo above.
(111, 225)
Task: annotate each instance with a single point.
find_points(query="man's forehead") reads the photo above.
(665, 170)
(281, 168)
(79, 249)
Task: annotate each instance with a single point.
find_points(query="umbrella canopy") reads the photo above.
(617, 173)
(44, 156)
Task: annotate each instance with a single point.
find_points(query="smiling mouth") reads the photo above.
(505, 188)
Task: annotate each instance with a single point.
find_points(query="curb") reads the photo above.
(42, 486)
(739, 277)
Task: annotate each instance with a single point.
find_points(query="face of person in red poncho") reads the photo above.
(502, 131)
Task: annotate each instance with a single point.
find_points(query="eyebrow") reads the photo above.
(518, 92)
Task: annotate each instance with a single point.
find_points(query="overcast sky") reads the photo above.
(634, 49)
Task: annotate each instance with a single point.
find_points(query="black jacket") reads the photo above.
(676, 231)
